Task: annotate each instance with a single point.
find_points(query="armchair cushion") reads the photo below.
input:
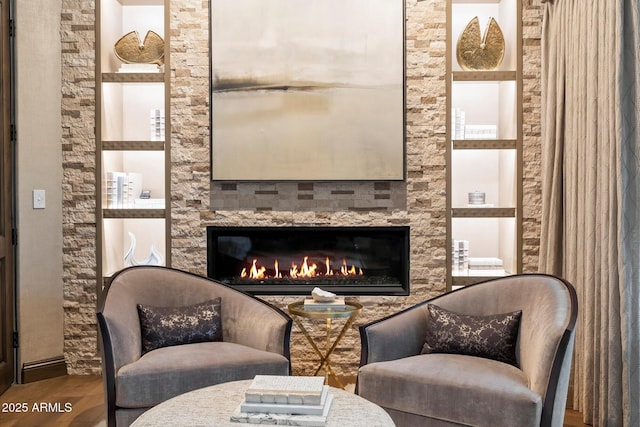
(463, 390)
(168, 326)
(492, 337)
(169, 371)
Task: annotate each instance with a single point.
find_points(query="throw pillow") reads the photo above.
(167, 326)
(492, 337)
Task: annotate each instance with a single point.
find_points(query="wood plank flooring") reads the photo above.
(78, 401)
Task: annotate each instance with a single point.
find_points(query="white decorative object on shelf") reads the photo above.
(139, 68)
(156, 117)
(457, 123)
(122, 189)
(480, 131)
(154, 257)
(486, 266)
(477, 198)
(484, 205)
(148, 204)
(460, 256)
(320, 295)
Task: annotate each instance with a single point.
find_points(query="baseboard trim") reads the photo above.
(43, 369)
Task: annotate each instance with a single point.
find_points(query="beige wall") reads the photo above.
(39, 166)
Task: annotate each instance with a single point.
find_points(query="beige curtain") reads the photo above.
(591, 194)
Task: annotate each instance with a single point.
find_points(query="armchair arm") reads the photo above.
(108, 369)
(394, 337)
(255, 323)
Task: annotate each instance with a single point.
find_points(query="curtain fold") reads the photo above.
(591, 194)
(628, 92)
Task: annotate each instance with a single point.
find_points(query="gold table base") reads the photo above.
(350, 312)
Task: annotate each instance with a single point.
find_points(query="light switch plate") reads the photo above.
(39, 201)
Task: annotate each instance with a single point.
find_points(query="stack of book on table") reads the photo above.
(282, 400)
(336, 304)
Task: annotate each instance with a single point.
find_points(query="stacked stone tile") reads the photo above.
(419, 202)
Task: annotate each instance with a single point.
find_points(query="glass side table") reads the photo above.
(350, 311)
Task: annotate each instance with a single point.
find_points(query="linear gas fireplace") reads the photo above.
(294, 260)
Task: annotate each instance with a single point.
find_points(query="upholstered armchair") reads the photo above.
(226, 336)
(418, 366)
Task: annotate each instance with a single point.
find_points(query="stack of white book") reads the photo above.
(121, 189)
(460, 256)
(486, 266)
(480, 132)
(139, 68)
(336, 304)
(156, 120)
(457, 123)
(282, 400)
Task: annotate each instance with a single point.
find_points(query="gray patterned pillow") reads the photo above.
(167, 326)
(492, 337)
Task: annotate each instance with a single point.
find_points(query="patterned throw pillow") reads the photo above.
(492, 337)
(167, 326)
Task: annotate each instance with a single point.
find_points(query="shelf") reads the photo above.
(486, 108)
(485, 144)
(132, 77)
(133, 213)
(133, 125)
(133, 145)
(483, 212)
(483, 76)
(138, 237)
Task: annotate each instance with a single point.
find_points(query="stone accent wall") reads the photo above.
(532, 11)
(79, 181)
(420, 202)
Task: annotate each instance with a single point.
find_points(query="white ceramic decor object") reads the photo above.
(154, 257)
(320, 295)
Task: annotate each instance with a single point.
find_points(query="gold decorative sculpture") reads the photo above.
(476, 53)
(129, 49)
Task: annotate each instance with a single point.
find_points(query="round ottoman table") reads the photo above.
(213, 406)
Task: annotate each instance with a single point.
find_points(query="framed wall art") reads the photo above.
(307, 90)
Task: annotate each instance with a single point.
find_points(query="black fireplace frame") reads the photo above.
(391, 289)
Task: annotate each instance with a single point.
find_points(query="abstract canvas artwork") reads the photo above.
(307, 90)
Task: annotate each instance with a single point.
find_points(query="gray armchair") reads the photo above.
(255, 340)
(439, 389)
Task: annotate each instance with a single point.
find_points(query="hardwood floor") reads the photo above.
(78, 401)
(573, 419)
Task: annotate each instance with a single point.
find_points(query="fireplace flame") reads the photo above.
(255, 272)
(278, 275)
(346, 271)
(305, 270)
(329, 271)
